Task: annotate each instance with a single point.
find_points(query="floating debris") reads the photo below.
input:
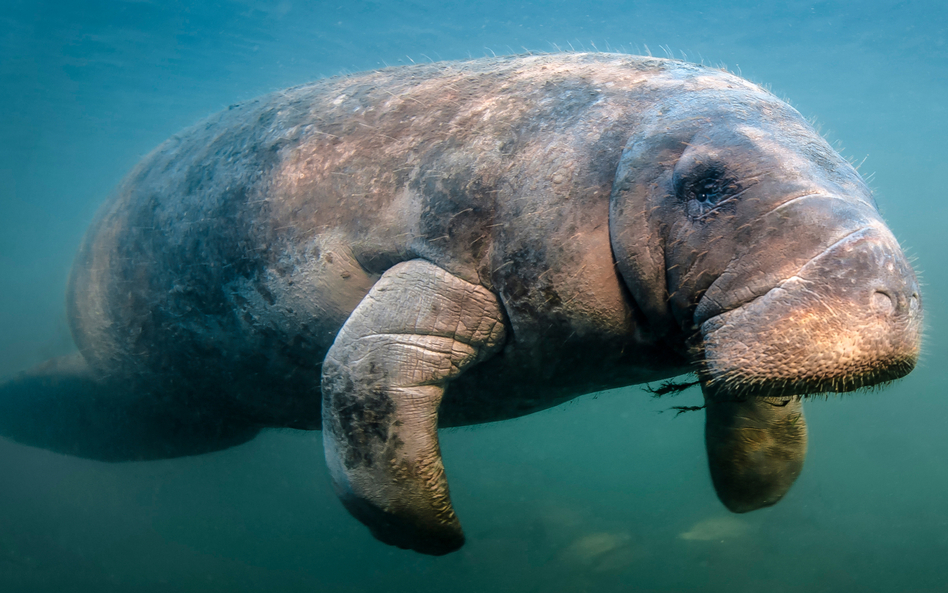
(603, 552)
(717, 529)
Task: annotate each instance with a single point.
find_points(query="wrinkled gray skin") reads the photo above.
(447, 244)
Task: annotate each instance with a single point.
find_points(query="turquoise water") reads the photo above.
(604, 493)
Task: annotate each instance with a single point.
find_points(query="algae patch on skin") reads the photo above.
(717, 529)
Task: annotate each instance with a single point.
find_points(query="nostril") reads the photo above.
(882, 303)
(913, 304)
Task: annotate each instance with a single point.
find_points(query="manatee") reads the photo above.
(384, 254)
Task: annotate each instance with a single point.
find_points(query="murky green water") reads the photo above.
(602, 494)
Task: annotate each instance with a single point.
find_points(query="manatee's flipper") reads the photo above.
(418, 328)
(62, 407)
(755, 450)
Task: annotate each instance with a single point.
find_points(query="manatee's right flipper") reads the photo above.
(383, 378)
(755, 448)
(61, 407)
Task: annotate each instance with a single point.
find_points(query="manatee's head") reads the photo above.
(754, 248)
(751, 244)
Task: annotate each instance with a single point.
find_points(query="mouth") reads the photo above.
(820, 331)
(797, 343)
(735, 386)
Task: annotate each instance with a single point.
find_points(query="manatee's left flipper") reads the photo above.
(755, 448)
(383, 379)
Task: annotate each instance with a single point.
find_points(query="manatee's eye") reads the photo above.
(706, 185)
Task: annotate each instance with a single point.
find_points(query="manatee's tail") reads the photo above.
(62, 407)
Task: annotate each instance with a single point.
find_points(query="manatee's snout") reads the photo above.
(849, 318)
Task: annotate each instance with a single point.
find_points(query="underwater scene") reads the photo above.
(608, 491)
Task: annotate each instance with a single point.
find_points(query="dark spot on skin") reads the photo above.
(550, 296)
(507, 147)
(364, 414)
(266, 294)
(266, 118)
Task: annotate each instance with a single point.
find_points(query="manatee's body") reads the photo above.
(234, 253)
(508, 233)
